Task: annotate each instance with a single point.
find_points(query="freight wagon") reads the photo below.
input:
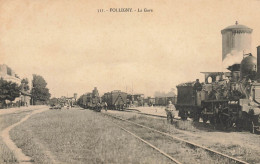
(115, 100)
(163, 101)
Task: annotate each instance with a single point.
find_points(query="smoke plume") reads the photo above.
(234, 57)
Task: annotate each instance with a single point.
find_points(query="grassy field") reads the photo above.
(6, 156)
(79, 136)
(242, 145)
(83, 136)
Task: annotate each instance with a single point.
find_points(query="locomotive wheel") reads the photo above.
(196, 117)
(226, 118)
(229, 123)
(212, 120)
(240, 124)
(205, 119)
(226, 122)
(183, 115)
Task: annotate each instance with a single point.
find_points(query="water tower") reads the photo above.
(236, 38)
(75, 96)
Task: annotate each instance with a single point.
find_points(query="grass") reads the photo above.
(244, 153)
(79, 136)
(83, 136)
(7, 156)
(185, 125)
(239, 152)
(178, 150)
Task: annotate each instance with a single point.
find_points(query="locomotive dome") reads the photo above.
(248, 66)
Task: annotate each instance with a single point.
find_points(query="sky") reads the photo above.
(76, 48)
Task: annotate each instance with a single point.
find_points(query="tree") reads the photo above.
(8, 90)
(80, 100)
(54, 101)
(39, 91)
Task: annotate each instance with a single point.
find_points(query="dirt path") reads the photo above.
(21, 109)
(11, 145)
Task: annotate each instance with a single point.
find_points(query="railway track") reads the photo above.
(151, 115)
(149, 144)
(179, 140)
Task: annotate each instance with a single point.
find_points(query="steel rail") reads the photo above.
(152, 115)
(149, 144)
(182, 140)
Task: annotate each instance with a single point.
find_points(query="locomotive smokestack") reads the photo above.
(258, 63)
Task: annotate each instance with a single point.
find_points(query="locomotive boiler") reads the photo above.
(230, 99)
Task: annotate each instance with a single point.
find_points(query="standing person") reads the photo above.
(170, 109)
(196, 89)
(106, 106)
(197, 85)
(98, 107)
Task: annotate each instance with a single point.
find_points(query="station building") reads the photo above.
(9, 75)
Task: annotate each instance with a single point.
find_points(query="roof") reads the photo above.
(213, 73)
(25, 93)
(237, 28)
(191, 83)
(234, 67)
(138, 94)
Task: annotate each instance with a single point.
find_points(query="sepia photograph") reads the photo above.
(129, 82)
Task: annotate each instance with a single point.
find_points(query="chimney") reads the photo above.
(258, 64)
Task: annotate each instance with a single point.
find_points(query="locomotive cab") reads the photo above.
(190, 96)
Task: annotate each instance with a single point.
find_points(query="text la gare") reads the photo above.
(144, 10)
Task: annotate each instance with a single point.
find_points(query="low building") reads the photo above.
(70, 101)
(67, 101)
(9, 75)
(25, 98)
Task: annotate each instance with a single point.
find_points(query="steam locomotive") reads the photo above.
(115, 100)
(231, 99)
(91, 101)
